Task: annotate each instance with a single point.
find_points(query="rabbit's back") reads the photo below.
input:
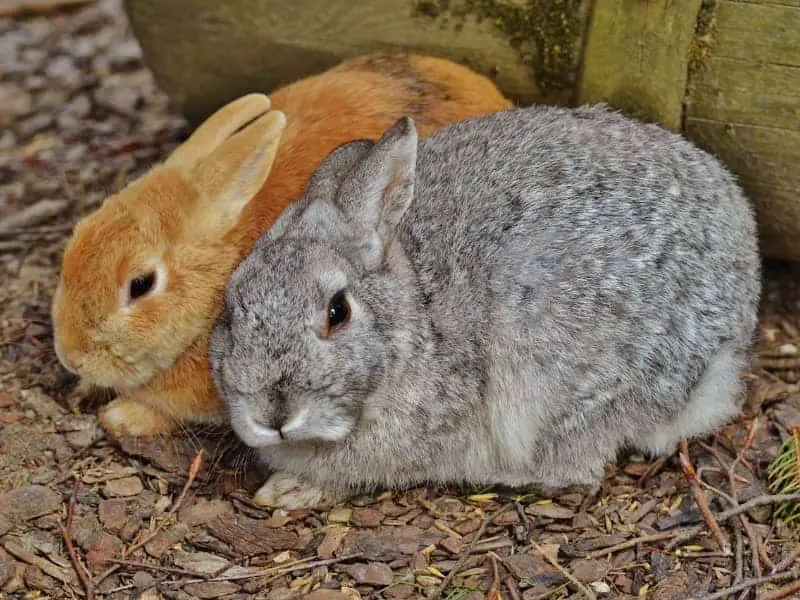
(607, 257)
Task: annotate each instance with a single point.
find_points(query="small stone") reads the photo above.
(36, 124)
(5, 525)
(323, 594)
(508, 517)
(43, 475)
(120, 99)
(788, 349)
(125, 487)
(81, 430)
(331, 542)
(367, 517)
(62, 68)
(200, 562)
(143, 580)
(468, 526)
(79, 107)
(527, 566)
(370, 574)
(113, 514)
(589, 570)
(427, 581)
(210, 589)
(76, 153)
(15, 103)
(165, 540)
(29, 501)
(390, 509)
(582, 521)
(6, 567)
(452, 544)
(42, 404)
(124, 55)
(86, 530)
(203, 511)
(550, 511)
(340, 514)
(106, 547)
(281, 593)
(36, 579)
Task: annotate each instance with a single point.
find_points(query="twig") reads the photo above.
(66, 532)
(513, 590)
(786, 562)
(738, 572)
(651, 470)
(194, 470)
(550, 592)
(733, 512)
(751, 583)
(494, 591)
(679, 535)
(653, 537)
(700, 498)
(584, 590)
(437, 593)
(273, 571)
(149, 567)
(783, 592)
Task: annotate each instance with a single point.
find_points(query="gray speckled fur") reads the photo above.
(565, 283)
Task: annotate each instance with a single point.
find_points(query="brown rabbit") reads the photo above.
(143, 277)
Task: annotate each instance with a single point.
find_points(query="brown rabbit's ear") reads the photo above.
(233, 173)
(210, 134)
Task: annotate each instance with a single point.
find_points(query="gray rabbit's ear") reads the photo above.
(323, 184)
(333, 170)
(381, 186)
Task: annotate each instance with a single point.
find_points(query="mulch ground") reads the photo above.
(84, 516)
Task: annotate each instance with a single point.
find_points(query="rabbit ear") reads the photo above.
(216, 129)
(233, 173)
(328, 177)
(323, 184)
(381, 186)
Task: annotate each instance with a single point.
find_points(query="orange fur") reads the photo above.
(154, 353)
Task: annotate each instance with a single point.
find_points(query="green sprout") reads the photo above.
(784, 475)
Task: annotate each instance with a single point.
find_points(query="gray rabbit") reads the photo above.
(511, 301)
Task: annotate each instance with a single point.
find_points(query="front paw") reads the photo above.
(287, 491)
(124, 417)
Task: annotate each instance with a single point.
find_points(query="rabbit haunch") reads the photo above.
(529, 293)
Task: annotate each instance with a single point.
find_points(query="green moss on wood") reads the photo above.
(546, 34)
(700, 50)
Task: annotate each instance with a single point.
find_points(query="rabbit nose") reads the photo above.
(72, 361)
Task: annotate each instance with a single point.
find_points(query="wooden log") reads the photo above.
(726, 73)
(743, 104)
(637, 56)
(207, 52)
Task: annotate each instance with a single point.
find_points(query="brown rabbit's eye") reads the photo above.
(338, 311)
(142, 285)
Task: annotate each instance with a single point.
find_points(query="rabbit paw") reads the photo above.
(287, 491)
(123, 417)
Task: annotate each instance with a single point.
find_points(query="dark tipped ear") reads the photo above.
(380, 187)
(333, 170)
(323, 185)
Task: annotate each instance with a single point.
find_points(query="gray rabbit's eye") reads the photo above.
(338, 311)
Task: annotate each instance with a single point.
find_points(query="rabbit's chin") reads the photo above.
(302, 427)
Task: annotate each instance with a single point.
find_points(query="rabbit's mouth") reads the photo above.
(252, 432)
(304, 425)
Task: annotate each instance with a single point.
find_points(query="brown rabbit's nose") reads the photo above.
(73, 361)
